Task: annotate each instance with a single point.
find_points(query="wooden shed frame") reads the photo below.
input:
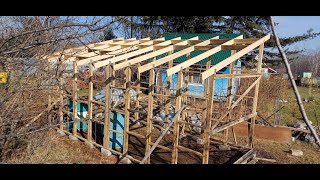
(127, 54)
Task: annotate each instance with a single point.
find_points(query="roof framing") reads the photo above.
(122, 53)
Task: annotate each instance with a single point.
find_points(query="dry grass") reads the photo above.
(49, 148)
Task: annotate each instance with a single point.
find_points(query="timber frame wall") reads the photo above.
(132, 55)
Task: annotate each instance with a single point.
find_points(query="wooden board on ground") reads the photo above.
(278, 134)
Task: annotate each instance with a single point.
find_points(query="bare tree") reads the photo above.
(24, 41)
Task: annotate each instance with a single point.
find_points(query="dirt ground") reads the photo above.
(50, 148)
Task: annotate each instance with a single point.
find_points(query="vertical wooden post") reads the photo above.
(61, 103)
(136, 114)
(90, 94)
(126, 110)
(168, 91)
(206, 87)
(229, 99)
(174, 159)
(106, 134)
(206, 136)
(255, 98)
(75, 98)
(49, 112)
(150, 112)
(206, 84)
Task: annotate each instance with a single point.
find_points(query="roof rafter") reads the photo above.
(200, 57)
(128, 55)
(151, 55)
(166, 59)
(232, 58)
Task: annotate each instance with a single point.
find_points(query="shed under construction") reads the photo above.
(160, 124)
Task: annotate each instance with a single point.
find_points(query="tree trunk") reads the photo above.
(293, 83)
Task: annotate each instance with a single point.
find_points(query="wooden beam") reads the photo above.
(126, 111)
(206, 135)
(90, 97)
(174, 159)
(147, 56)
(244, 157)
(128, 55)
(171, 57)
(61, 103)
(168, 92)
(237, 75)
(164, 132)
(234, 57)
(49, 113)
(231, 123)
(246, 41)
(233, 47)
(255, 98)
(94, 56)
(125, 45)
(75, 98)
(150, 113)
(198, 58)
(107, 102)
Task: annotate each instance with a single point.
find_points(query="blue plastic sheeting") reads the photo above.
(116, 123)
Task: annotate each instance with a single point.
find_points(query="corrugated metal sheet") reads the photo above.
(215, 58)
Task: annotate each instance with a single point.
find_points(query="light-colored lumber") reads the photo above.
(231, 123)
(128, 55)
(174, 159)
(164, 132)
(90, 96)
(255, 98)
(172, 56)
(75, 98)
(234, 57)
(106, 127)
(200, 57)
(206, 135)
(148, 56)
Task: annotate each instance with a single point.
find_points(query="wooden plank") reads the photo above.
(206, 135)
(95, 56)
(126, 111)
(190, 151)
(61, 103)
(174, 159)
(198, 58)
(128, 55)
(246, 41)
(107, 105)
(206, 85)
(232, 58)
(233, 47)
(138, 90)
(237, 75)
(171, 57)
(168, 92)
(164, 132)
(229, 99)
(150, 113)
(244, 157)
(90, 107)
(147, 56)
(49, 113)
(125, 45)
(231, 123)
(255, 98)
(75, 98)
